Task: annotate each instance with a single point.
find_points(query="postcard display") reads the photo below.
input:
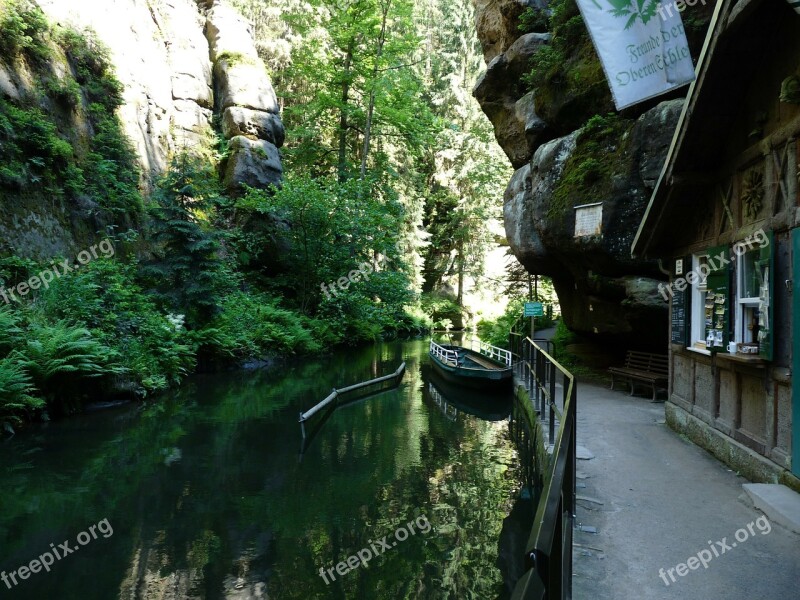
(717, 309)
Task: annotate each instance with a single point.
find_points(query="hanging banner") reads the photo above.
(642, 46)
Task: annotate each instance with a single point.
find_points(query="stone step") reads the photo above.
(778, 502)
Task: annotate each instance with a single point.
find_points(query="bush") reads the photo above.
(104, 296)
(24, 28)
(31, 150)
(254, 326)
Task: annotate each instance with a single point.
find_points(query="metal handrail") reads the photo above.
(548, 554)
(499, 354)
(449, 357)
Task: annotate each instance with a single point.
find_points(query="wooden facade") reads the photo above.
(725, 220)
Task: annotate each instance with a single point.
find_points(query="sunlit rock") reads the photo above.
(256, 163)
(237, 120)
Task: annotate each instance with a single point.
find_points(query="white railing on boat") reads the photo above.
(448, 357)
(493, 352)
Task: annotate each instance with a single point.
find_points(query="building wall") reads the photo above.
(750, 404)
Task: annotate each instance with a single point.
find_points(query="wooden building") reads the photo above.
(724, 221)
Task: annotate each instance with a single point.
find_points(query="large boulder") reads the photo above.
(237, 120)
(500, 92)
(229, 33)
(244, 82)
(256, 163)
(602, 290)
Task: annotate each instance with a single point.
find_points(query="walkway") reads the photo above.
(656, 500)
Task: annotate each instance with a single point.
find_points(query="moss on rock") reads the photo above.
(599, 155)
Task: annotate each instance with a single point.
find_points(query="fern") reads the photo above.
(60, 355)
(11, 335)
(16, 392)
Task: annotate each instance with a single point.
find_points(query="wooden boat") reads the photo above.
(486, 367)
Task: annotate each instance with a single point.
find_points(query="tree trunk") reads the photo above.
(385, 6)
(348, 61)
(460, 299)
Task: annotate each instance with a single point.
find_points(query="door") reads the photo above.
(795, 352)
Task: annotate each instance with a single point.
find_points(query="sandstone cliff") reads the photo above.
(566, 157)
(183, 66)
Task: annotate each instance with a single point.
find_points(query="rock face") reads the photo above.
(601, 289)
(517, 128)
(603, 293)
(497, 22)
(247, 102)
(253, 123)
(190, 58)
(167, 78)
(255, 163)
(183, 65)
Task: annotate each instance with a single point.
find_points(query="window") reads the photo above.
(702, 322)
(729, 295)
(750, 280)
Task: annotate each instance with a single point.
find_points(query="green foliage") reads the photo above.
(254, 326)
(589, 171)
(91, 61)
(66, 92)
(60, 356)
(186, 271)
(442, 310)
(37, 157)
(496, 331)
(24, 31)
(110, 173)
(32, 153)
(335, 227)
(534, 20)
(105, 297)
(567, 74)
(17, 399)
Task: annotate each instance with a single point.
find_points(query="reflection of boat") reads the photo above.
(487, 367)
(451, 399)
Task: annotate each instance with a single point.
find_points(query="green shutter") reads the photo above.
(719, 283)
(766, 263)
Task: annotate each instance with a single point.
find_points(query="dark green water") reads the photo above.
(209, 496)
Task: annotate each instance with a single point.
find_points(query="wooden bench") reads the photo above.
(643, 367)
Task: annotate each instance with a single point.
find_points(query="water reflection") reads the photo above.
(208, 499)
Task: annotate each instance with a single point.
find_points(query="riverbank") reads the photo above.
(650, 501)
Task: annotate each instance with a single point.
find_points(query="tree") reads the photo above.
(186, 270)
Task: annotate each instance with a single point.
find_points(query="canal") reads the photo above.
(211, 492)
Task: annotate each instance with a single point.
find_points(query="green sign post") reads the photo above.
(533, 310)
